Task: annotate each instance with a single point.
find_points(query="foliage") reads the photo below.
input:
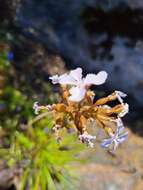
(43, 160)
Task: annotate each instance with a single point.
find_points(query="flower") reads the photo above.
(56, 127)
(65, 114)
(125, 106)
(116, 138)
(79, 84)
(10, 56)
(124, 111)
(120, 95)
(48, 107)
(36, 108)
(86, 138)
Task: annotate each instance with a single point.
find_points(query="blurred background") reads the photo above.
(43, 38)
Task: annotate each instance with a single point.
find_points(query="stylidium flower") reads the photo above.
(48, 107)
(79, 84)
(79, 117)
(116, 138)
(36, 108)
(86, 138)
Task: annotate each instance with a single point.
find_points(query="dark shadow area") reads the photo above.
(121, 21)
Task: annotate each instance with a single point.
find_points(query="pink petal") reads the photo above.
(98, 79)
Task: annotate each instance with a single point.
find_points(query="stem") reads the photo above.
(39, 117)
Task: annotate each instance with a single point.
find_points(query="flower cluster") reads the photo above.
(77, 107)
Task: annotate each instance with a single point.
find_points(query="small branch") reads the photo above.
(39, 117)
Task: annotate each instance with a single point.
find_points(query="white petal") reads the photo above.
(67, 80)
(55, 79)
(36, 108)
(120, 95)
(76, 74)
(120, 130)
(35, 105)
(73, 78)
(77, 94)
(119, 122)
(124, 111)
(120, 126)
(98, 79)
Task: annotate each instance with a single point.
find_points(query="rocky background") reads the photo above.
(93, 34)
(49, 37)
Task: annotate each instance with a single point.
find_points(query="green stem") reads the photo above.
(39, 117)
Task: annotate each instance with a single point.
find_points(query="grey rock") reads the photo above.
(97, 35)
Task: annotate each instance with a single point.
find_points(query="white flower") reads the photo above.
(36, 108)
(77, 93)
(78, 83)
(48, 107)
(86, 138)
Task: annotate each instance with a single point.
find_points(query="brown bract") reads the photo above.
(67, 114)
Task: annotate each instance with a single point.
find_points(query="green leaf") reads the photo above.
(24, 141)
(24, 179)
(51, 184)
